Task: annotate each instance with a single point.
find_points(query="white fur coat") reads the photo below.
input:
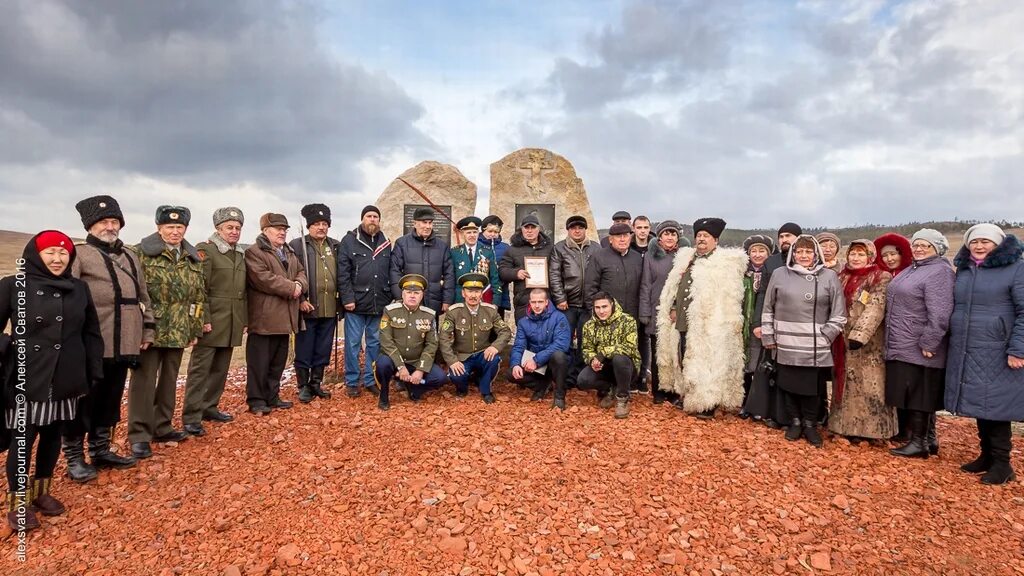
(712, 372)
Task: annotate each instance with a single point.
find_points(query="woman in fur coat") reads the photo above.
(858, 386)
(804, 311)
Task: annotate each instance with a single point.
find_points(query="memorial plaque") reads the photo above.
(442, 225)
(545, 213)
(442, 183)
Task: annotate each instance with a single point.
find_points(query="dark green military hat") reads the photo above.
(469, 223)
(413, 282)
(473, 280)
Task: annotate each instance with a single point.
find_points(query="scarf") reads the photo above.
(754, 273)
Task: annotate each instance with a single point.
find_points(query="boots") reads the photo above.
(811, 433)
(606, 401)
(42, 501)
(316, 381)
(1000, 445)
(539, 392)
(99, 450)
(931, 437)
(621, 408)
(917, 422)
(78, 469)
(302, 382)
(903, 427)
(795, 430)
(984, 461)
(20, 515)
(559, 402)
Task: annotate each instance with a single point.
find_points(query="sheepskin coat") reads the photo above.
(711, 374)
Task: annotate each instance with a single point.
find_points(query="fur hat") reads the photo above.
(423, 214)
(96, 208)
(713, 226)
(933, 237)
(314, 213)
(580, 220)
(667, 225)
(270, 219)
(227, 214)
(173, 215)
(758, 240)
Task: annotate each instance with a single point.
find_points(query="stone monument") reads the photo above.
(538, 181)
(445, 187)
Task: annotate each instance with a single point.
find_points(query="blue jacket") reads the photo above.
(986, 327)
(543, 334)
(498, 247)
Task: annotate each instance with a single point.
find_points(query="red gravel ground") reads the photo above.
(454, 486)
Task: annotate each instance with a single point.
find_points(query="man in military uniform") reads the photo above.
(319, 254)
(224, 321)
(473, 257)
(408, 344)
(466, 338)
(177, 290)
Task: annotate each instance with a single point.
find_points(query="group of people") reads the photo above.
(897, 330)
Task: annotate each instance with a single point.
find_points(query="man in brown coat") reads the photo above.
(118, 287)
(276, 282)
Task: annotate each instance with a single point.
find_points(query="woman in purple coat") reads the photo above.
(985, 373)
(918, 306)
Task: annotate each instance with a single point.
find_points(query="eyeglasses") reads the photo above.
(921, 246)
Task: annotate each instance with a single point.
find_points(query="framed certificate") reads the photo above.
(537, 268)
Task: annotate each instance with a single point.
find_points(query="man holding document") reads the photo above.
(540, 352)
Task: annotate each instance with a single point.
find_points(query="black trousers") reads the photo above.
(19, 454)
(101, 407)
(558, 367)
(644, 342)
(266, 356)
(616, 373)
(577, 317)
(802, 407)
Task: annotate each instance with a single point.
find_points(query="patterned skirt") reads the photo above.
(44, 413)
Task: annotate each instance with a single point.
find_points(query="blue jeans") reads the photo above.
(356, 326)
(313, 345)
(476, 365)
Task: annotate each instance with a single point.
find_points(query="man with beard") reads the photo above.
(421, 252)
(364, 282)
(700, 323)
(657, 264)
(530, 241)
(320, 305)
(119, 292)
(568, 271)
(224, 321)
(472, 337)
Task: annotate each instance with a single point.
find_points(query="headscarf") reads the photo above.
(901, 244)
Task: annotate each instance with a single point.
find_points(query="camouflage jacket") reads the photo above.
(177, 291)
(603, 339)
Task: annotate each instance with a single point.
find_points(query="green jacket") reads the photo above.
(603, 339)
(483, 261)
(408, 336)
(224, 273)
(177, 291)
(463, 333)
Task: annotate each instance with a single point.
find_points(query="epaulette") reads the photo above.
(431, 310)
(489, 305)
(393, 306)
(456, 305)
(80, 243)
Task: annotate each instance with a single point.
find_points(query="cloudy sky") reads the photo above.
(827, 112)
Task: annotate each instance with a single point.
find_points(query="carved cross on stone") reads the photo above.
(537, 164)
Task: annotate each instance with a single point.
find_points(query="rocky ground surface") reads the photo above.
(454, 486)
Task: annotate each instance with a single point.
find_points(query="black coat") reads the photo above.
(774, 262)
(364, 272)
(63, 345)
(512, 262)
(618, 275)
(430, 258)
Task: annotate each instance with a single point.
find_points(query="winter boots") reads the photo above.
(917, 447)
(302, 382)
(621, 407)
(74, 452)
(316, 380)
(99, 450)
